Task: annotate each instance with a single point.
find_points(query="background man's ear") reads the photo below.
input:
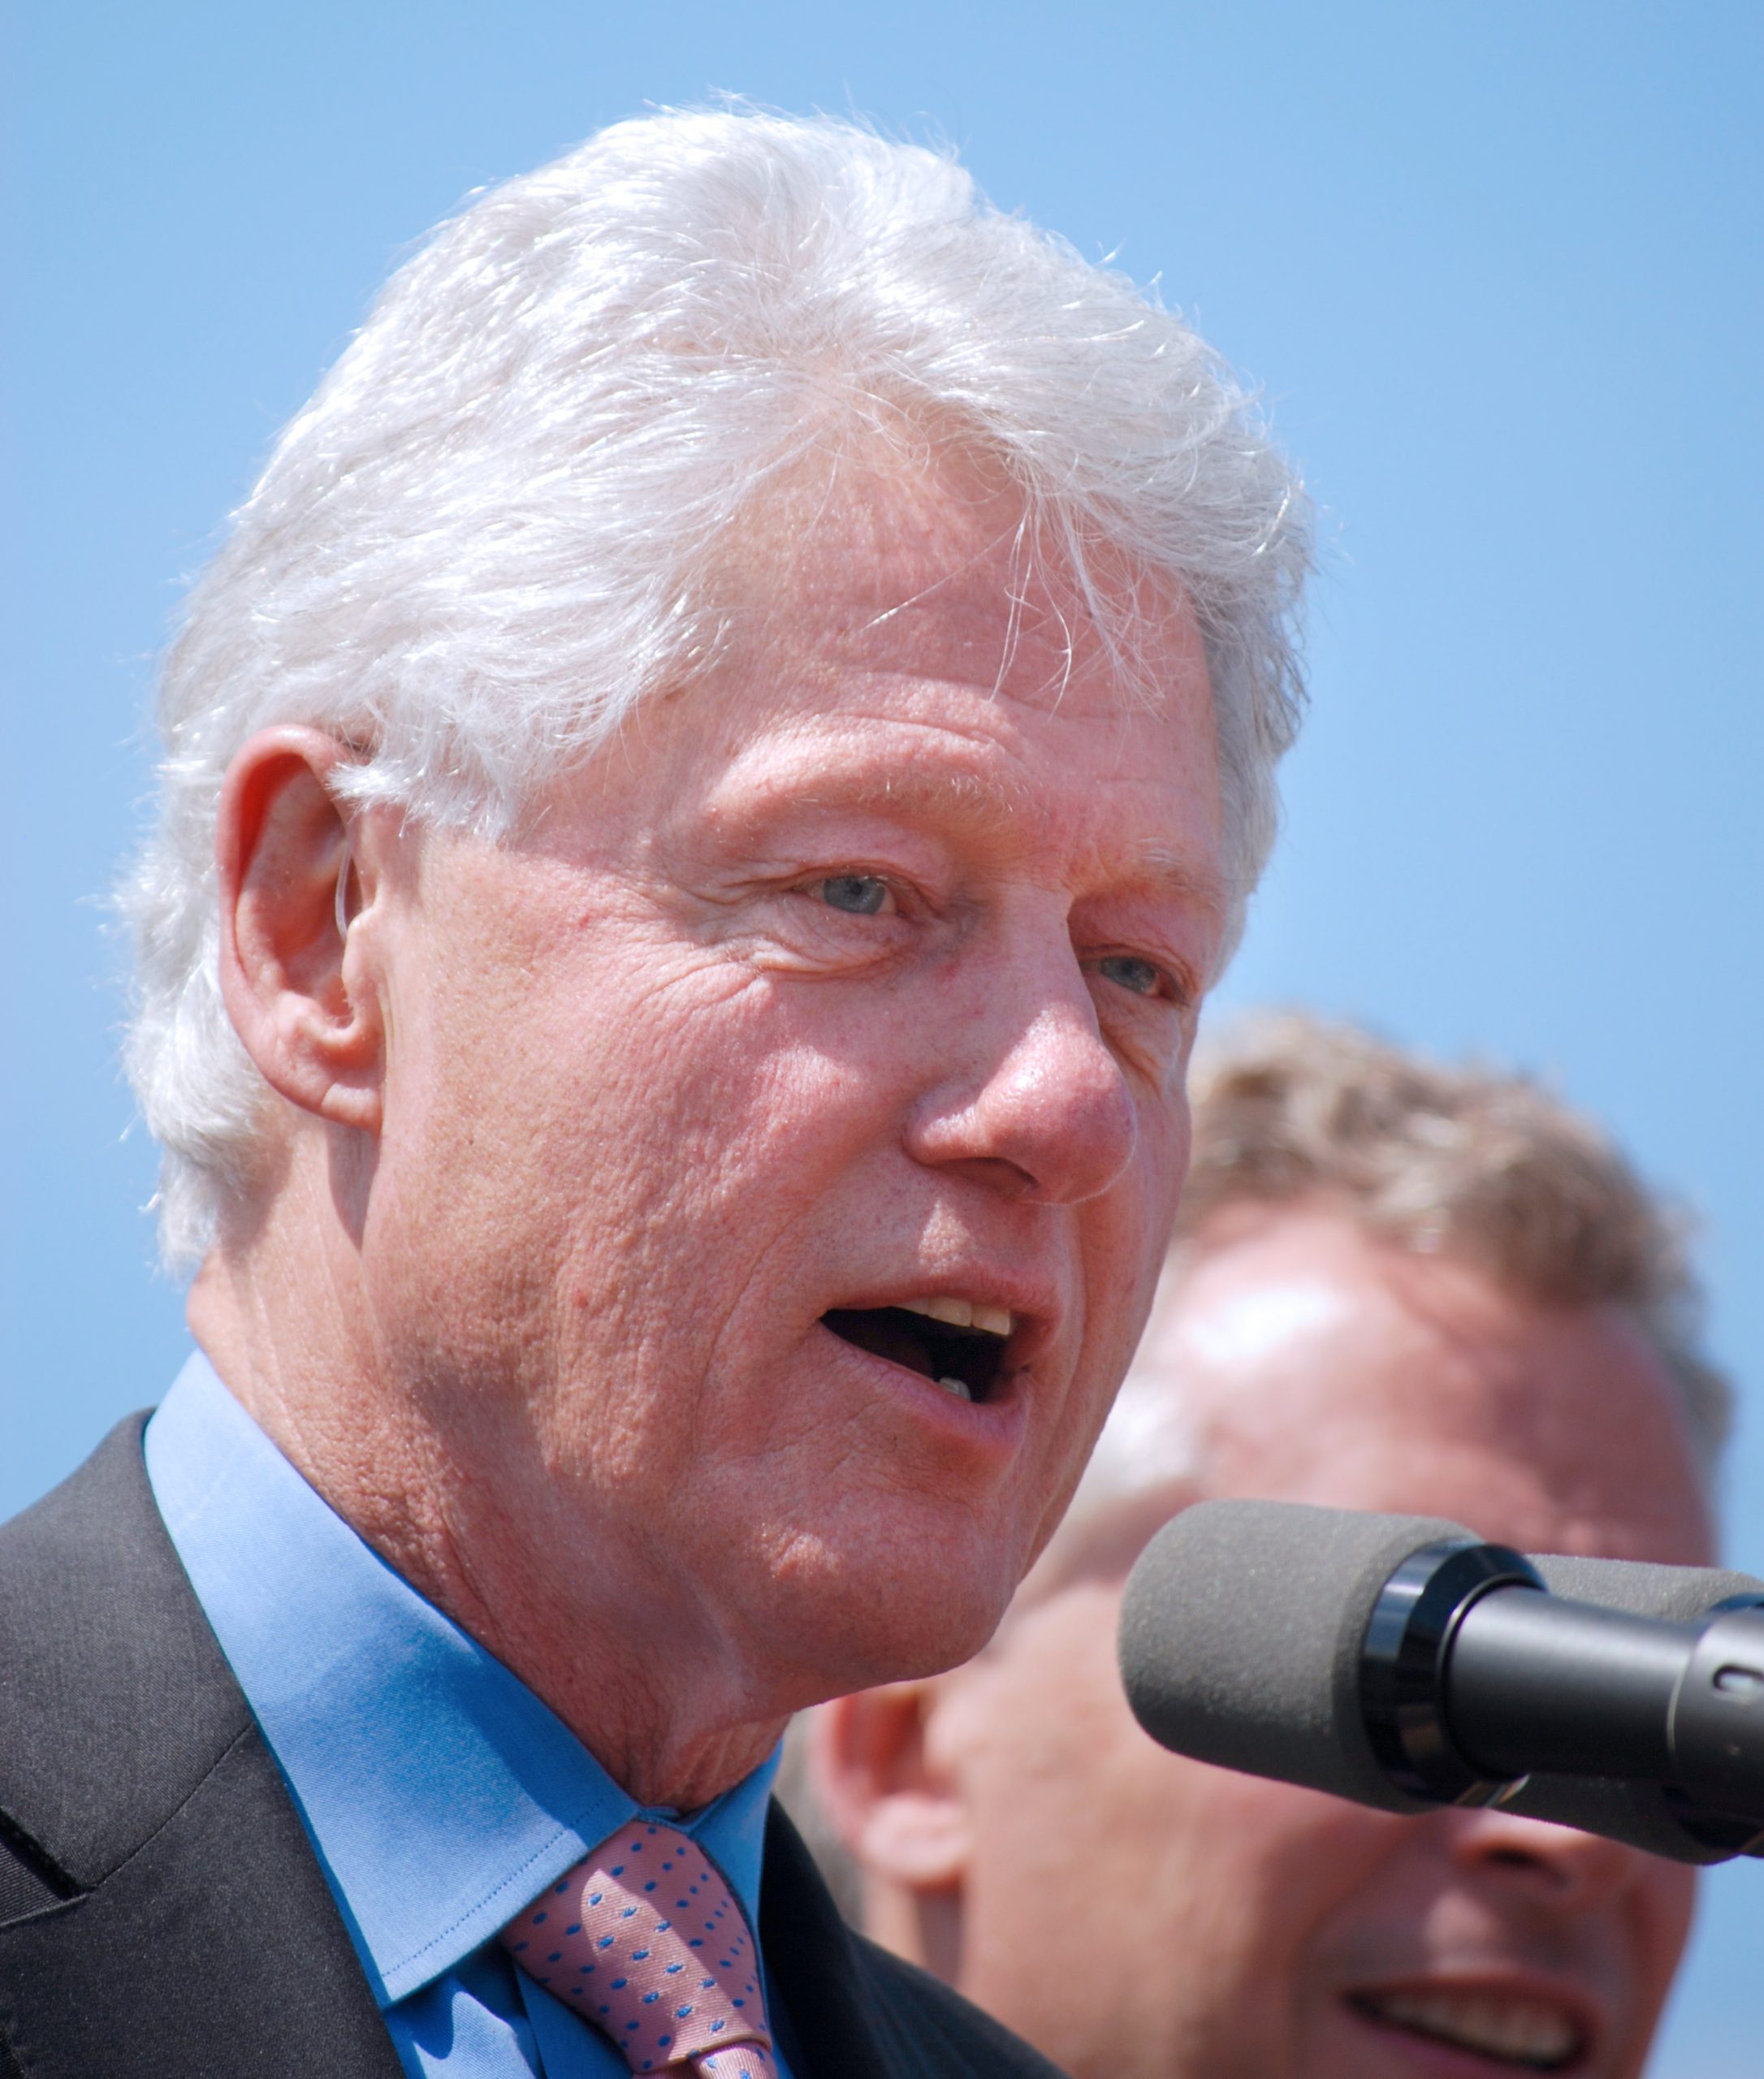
(294, 987)
(898, 1811)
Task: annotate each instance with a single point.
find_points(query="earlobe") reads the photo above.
(299, 994)
(919, 1838)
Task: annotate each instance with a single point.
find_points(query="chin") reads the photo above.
(861, 1618)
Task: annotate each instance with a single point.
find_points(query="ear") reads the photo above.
(296, 984)
(898, 1811)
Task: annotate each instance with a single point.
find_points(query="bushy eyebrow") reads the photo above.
(1178, 875)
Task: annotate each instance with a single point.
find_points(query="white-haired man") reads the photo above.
(703, 795)
(1395, 1287)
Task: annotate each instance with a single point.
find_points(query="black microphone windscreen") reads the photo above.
(1241, 1632)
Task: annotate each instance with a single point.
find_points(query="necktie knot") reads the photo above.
(644, 1939)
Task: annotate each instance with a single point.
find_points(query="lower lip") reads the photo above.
(994, 1423)
(1442, 2060)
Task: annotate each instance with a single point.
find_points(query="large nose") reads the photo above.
(1553, 1866)
(1034, 1102)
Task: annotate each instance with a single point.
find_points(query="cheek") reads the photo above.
(1056, 1788)
(1309, 1853)
(733, 1067)
(1263, 1870)
(1125, 1238)
(674, 1089)
(1168, 1859)
(1664, 1904)
(1142, 1207)
(1063, 1773)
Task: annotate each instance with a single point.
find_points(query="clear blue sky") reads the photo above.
(1497, 266)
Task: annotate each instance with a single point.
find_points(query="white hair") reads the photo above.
(491, 530)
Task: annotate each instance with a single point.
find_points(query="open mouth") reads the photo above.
(959, 1347)
(1505, 2028)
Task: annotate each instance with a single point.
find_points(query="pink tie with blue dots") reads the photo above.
(644, 1939)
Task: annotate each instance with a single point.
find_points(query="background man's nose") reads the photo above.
(1570, 1871)
(1046, 1113)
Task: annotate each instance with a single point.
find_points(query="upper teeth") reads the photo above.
(960, 1314)
(1523, 2031)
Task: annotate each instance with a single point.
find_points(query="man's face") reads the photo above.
(856, 980)
(1214, 1924)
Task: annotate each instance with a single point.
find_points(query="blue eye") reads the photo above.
(1140, 976)
(860, 895)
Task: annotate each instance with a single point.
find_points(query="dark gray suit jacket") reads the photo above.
(161, 1914)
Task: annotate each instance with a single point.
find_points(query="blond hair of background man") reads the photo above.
(1394, 1286)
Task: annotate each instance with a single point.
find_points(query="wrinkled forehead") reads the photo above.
(1314, 1362)
(892, 645)
(934, 566)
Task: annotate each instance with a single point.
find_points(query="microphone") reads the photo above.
(1404, 1663)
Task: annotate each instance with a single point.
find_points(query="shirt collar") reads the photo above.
(440, 1794)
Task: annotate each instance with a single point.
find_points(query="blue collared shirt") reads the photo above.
(440, 1795)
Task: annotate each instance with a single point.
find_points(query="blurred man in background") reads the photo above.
(1393, 1287)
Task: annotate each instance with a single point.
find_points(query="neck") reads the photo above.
(648, 1683)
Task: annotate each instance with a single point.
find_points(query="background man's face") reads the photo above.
(864, 972)
(1211, 1923)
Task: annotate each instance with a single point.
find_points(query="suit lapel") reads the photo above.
(845, 2009)
(200, 1936)
(827, 2026)
(168, 1917)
